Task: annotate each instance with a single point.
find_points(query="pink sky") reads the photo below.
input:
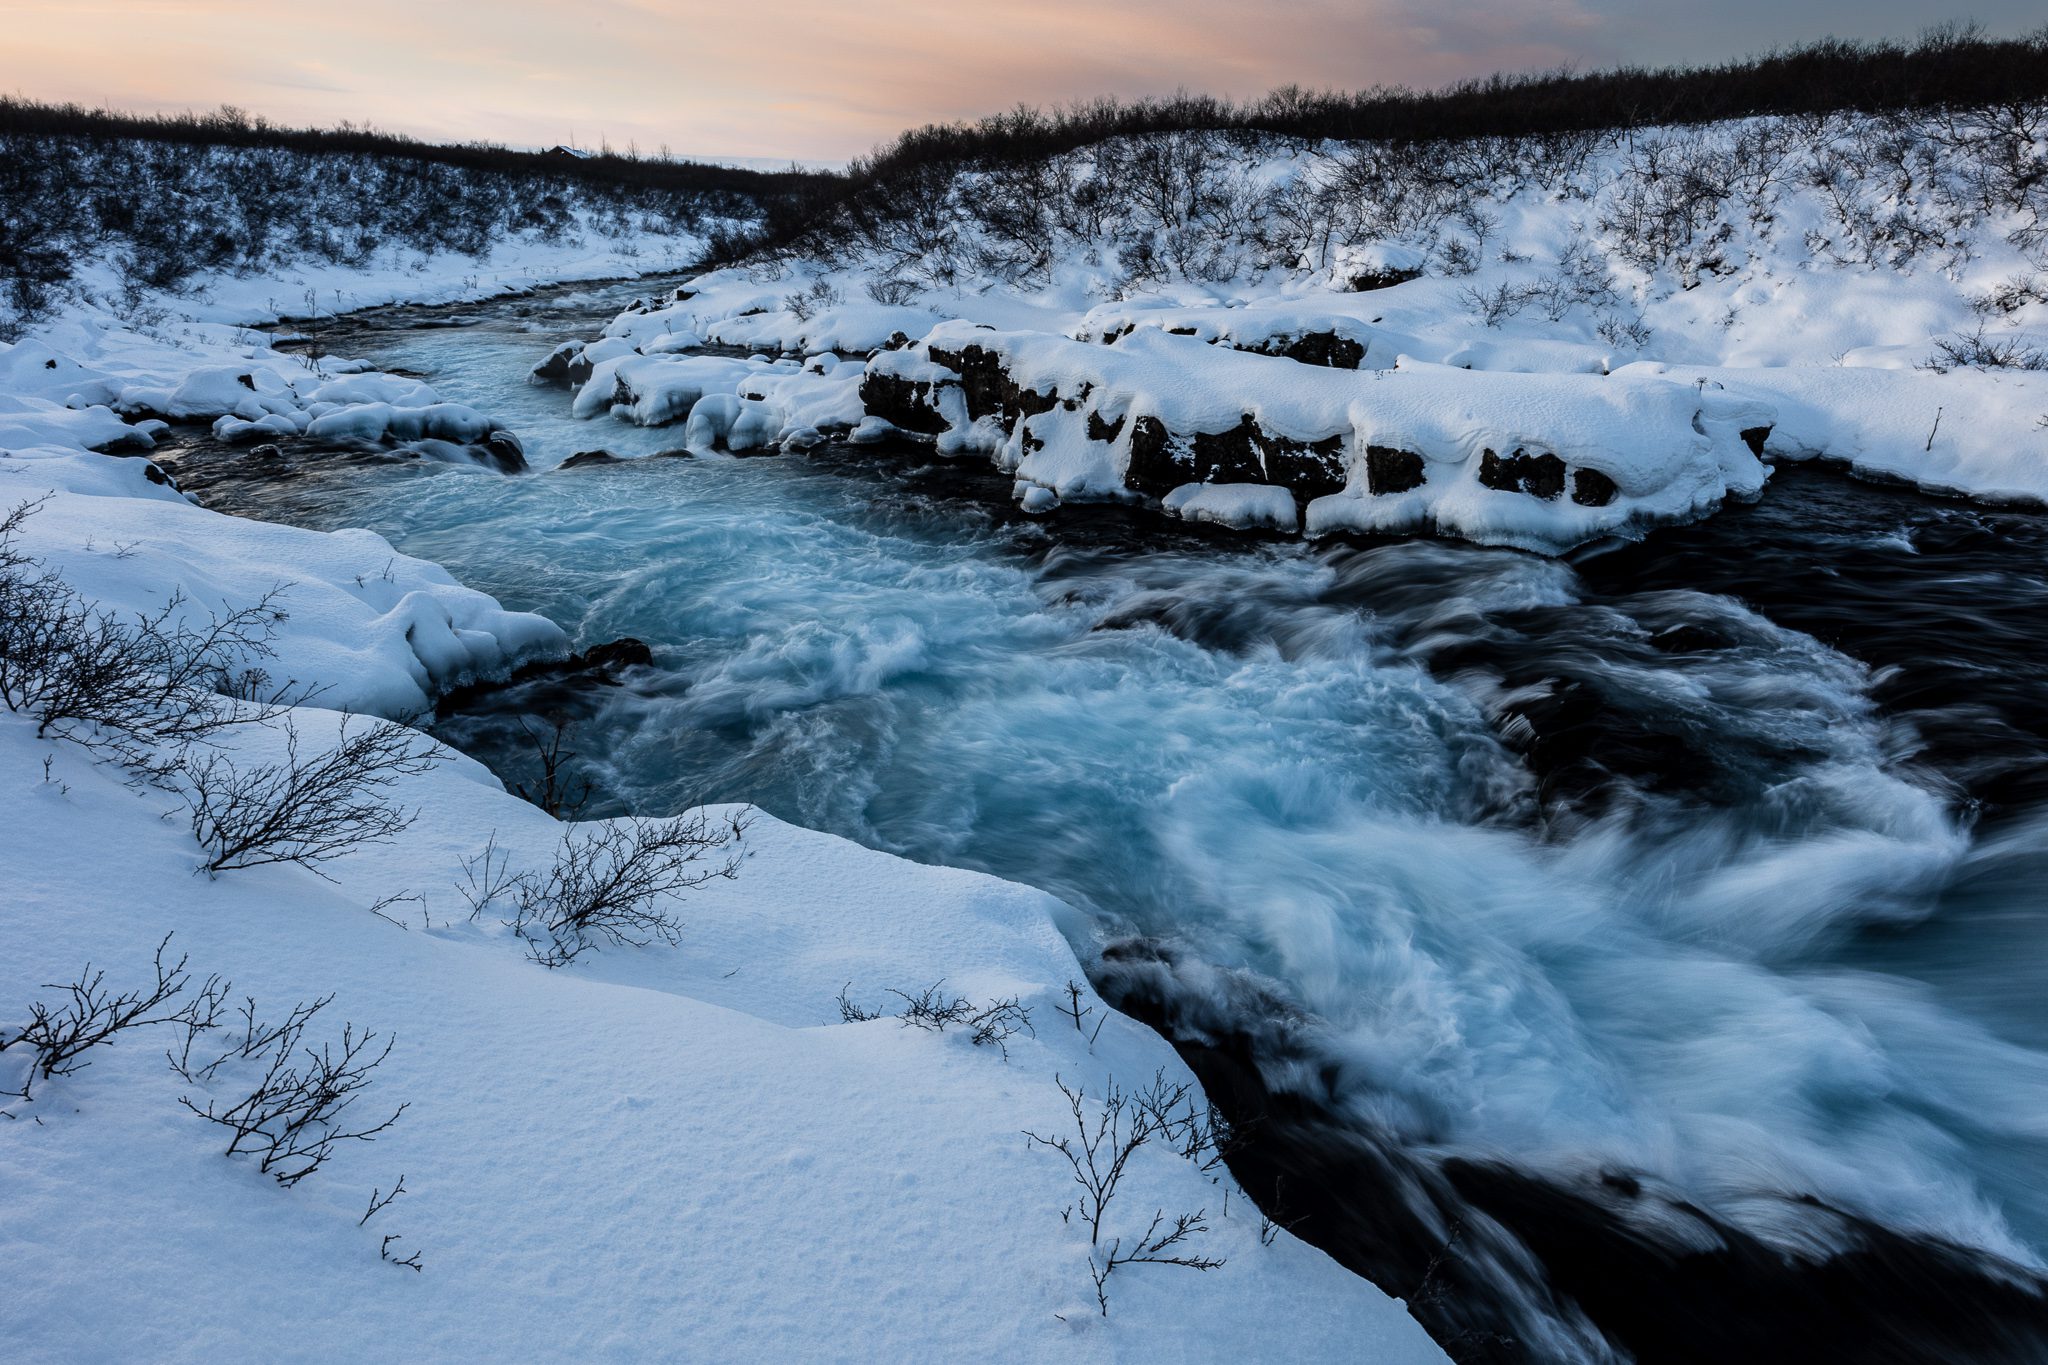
(792, 78)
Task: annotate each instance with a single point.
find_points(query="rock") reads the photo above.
(1316, 348)
(1247, 453)
(587, 457)
(1390, 470)
(503, 450)
(624, 652)
(988, 388)
(543, 685)
(566, 364)
(1754, 438)
(906, 404)
(1540, 476)
(269, 450)
(1364, 281)
(1591, 488)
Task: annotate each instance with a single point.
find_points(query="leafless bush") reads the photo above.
(1457, 257)
(1200, 1134)
(411, 1262)
(851, 1013)
(1495, 306)
(1075, 1011)
(892, 292)
(298, 1111)
(1623, 331)
(810, 302)
(992, 1024)
(140, 687)
(553, 789)
(2011, 294)
(1975, 350)
(304, 809)
(57, 1037)
(1099, 1153)
(612, 884)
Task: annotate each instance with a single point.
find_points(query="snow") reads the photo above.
(74, 381)
(1672, 451)
(1810, 303)
(1241, 505)
(381, 632)
(650, 1153)
(665, 1152)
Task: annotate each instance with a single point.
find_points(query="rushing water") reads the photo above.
(1702, 875)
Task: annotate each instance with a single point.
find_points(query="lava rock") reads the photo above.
(1539, 476)
(1392, 470)
(1591, 488)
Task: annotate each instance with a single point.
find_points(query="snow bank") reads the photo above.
(728, 404)
(1975, 433)
(92, 365)
(381, 632)
(647, 1155)
(1804, 298)
(1538, 461)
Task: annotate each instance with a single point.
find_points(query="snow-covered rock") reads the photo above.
(1538, 461)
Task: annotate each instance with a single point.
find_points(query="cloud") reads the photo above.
(830, 78)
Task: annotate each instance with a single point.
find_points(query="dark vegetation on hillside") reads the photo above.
(1952, 67)
(166, 197)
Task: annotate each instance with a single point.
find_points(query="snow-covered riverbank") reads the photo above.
(668, 1150)
(1534, 344)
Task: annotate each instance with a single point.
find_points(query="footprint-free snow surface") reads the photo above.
(1660, 930)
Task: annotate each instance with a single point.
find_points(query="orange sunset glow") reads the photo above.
(804, 79)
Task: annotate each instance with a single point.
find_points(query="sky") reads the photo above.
(815, 81)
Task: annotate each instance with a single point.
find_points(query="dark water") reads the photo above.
(1639, 954)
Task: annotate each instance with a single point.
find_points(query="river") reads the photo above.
(1644, 952)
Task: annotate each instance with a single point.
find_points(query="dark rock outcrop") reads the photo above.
(1364, 281)
(502, 451)
(988, 387)
(1389, 469)
(907, 404)
(1591, 488)
(1540, 476)
(1326, 349)
(598, 666)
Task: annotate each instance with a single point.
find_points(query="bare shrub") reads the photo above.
(892, 292)
(303, 810)
(1975, 350)
(1076, 1012)
(1099, 1153)
(138, 687)
(992, 1024)
(298, 1110)
(553, 788)
(851, 1013)
(810, 302)
(2011, 294)
(608, 885)
(1495, 306)
(57, 1037)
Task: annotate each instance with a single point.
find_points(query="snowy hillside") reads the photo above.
(1531, 342)
(686, 1122)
